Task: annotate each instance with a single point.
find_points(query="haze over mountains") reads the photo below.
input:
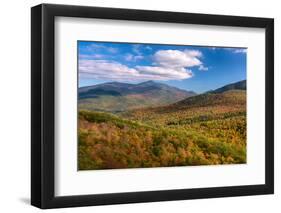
(119, 97)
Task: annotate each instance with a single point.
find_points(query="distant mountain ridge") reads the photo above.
(120, 97)
(117, 88)
(231, 95)
(240, 85)
(116, 96)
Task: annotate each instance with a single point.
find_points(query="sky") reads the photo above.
(195, 68)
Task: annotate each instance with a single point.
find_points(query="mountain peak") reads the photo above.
(150, 82)
(117, 96)
(240, 85)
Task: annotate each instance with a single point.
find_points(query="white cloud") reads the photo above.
(167, 65)
(111, 70)
(138, 57)
(177, 59)
(91, 56)
(137, 54)
(148, 48)
(136, 49)
(166, 73)
(131, 57)
(104, 68)
(203, 68)
(193, 53)
(98, 47)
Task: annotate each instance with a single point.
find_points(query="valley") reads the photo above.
(156, 125)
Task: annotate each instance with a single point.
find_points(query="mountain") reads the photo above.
(118, 97)
(206, 129)
(240, 85)
(229, 97)
(207, 103)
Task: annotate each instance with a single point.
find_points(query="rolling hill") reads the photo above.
(119, 97)
(229, 96)
(202, 107)
(205, 129)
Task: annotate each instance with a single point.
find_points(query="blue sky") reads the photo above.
(195, 68)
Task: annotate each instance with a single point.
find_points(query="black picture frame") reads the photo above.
(43, 110)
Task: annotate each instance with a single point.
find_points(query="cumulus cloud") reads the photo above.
(105, 69)
(136, 49)
(166, 65)
(131, 57)
(203, 68)
(193, 53)
(177, 59)
(165, 73)
(111, 70)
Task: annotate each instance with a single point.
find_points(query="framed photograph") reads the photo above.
(139, 106)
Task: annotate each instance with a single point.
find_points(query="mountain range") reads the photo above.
(204, 129)
(120, 97)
